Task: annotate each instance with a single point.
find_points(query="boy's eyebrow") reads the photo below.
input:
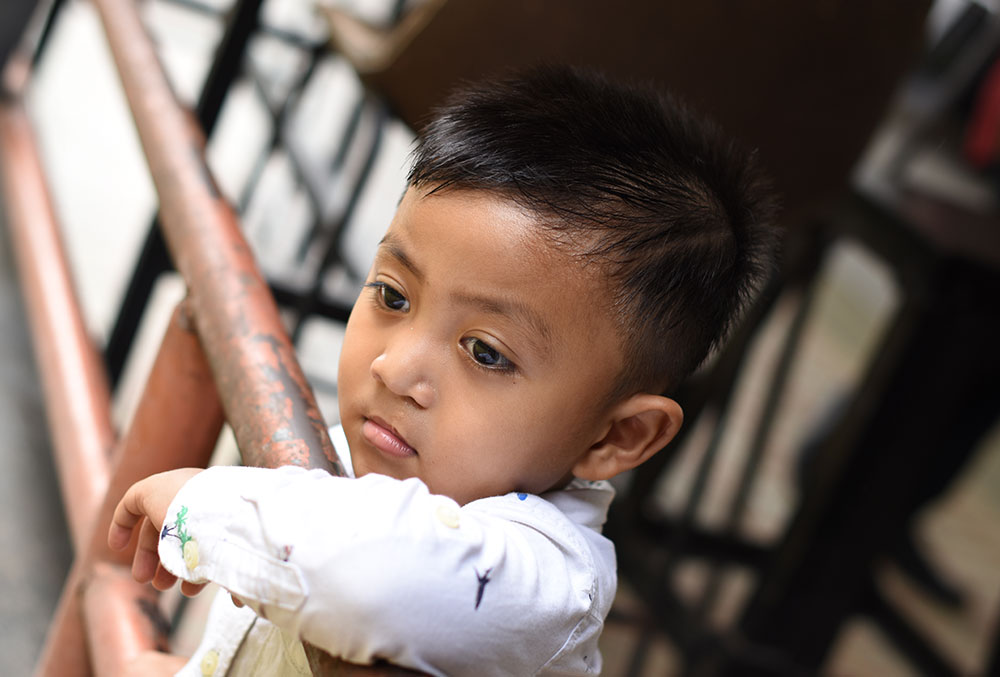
(514, 309)
(400, 255)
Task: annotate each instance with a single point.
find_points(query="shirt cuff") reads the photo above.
(212, 532)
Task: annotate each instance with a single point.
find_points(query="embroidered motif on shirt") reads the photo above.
(177, 529)
(483, 580)
(521, 496)
(189, 549)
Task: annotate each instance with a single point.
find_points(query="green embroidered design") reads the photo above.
(177, 529)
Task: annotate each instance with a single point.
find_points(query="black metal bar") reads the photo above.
(290, 298)
(332, 253)
(46, 32)
(278, 139)
(329, 227)
(844, 520)
(264, 29)
(226, 64)
(336, 165)
(152, 262)
(658, 596)
(702, 543)
(755, 453)
(651, 544)
(278, 114)
(298, 167)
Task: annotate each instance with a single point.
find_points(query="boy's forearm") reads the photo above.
(372, 567)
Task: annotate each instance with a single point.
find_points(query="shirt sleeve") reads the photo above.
(381, 568)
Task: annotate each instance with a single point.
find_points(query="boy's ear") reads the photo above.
(639, 427)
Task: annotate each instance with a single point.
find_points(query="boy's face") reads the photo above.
(478, 358)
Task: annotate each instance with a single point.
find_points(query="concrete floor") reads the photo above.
(31, 517)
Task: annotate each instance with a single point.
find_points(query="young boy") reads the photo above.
(566, 251)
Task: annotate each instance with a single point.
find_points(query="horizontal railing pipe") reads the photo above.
(123, 619)
(265, 395)
(266, 398)
(226, 349)
(72, 375)
(176, 424)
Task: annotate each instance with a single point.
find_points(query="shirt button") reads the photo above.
(209, 662)
(190, 551)
(447, 514)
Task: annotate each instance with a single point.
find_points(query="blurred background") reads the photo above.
(833, 505)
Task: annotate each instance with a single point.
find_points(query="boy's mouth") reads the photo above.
(385, 438)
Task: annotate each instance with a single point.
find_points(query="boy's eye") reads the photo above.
(389, 296)
(486, 356)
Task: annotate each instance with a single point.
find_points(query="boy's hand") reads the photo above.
(145, 506)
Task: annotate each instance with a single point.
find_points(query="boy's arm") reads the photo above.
(376, 567)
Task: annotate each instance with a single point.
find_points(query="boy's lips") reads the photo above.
(385, 438)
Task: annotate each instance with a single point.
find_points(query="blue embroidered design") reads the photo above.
(483, 580)
(521, 496)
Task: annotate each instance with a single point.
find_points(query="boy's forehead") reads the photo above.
(461, 212)
(542, 235)
(549, 275)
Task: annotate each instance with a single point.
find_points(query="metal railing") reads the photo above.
(225, 357)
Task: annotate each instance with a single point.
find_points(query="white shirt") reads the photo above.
(381, 568)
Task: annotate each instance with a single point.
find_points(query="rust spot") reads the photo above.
(293, 420)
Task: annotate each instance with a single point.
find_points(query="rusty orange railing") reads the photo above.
(225, 357)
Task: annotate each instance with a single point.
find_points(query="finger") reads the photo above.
(119, 536)
(146, 558)
(127, 515)
(163, 579)
(190, 589)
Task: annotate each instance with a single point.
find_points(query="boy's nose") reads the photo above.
(404, 372)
